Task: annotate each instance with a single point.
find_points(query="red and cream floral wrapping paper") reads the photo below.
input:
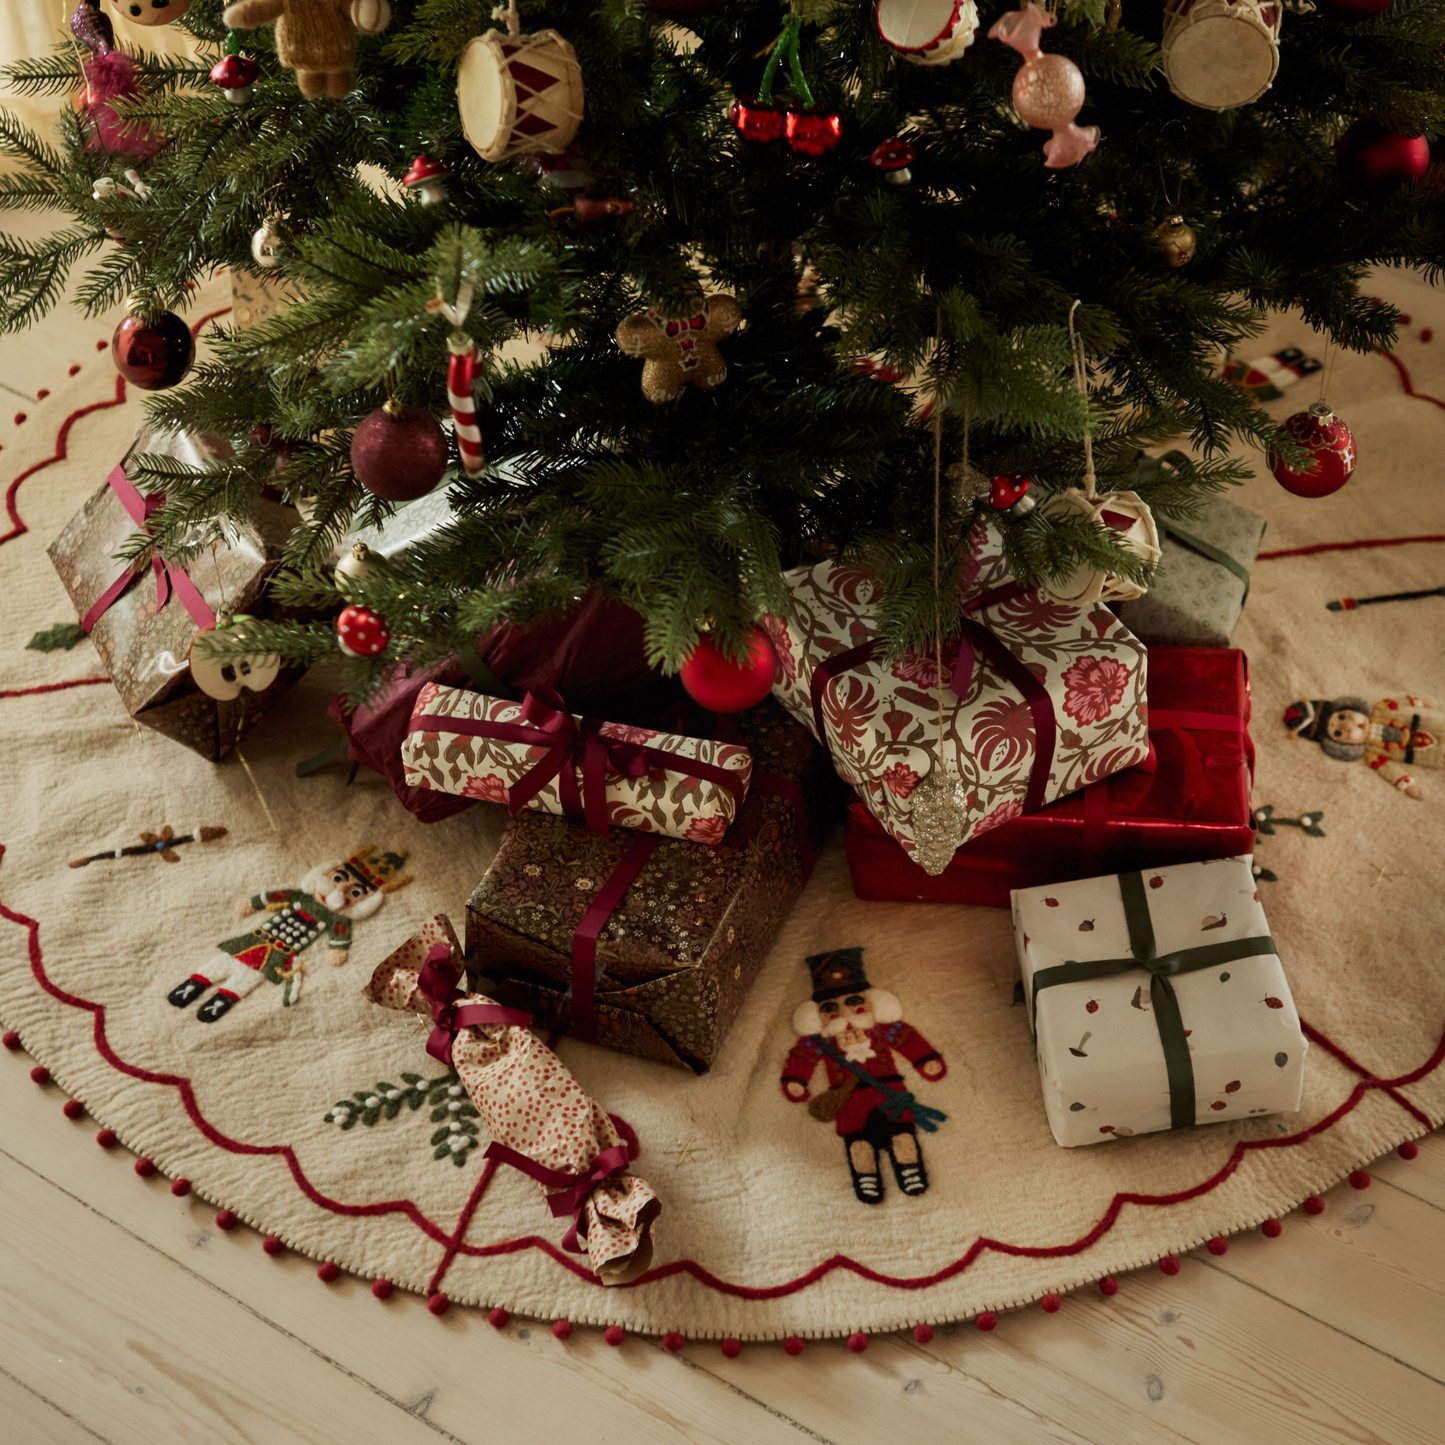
(660, 801)
(529, 1101)
(881, 718)
(1100, 1059)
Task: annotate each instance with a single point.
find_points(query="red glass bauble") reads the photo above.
(399, 452)
(1353, 9)
(722, 685)
(153, 354)
(814, 132)
(756, 121)
(1331, 449)
(1374, 160)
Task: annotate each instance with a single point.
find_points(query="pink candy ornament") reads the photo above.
(1048, 90)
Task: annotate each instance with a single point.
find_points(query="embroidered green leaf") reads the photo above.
(437, 1115)
(441, 1134)
(1266, 875)
(441, 1152)
(412, 1078)
(60, 638)
(460, 1157)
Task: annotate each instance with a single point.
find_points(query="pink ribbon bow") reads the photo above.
(576, 1188)
(437, 984)
(168, 575)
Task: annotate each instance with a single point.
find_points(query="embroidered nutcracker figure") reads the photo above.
(329, 900)
(1392, 737)
(855, 1030)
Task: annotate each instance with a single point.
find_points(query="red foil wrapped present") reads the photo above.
(1189, 803)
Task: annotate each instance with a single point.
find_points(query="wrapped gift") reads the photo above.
(1157, 1000)
(258, 296)
(540, 1120)
(144, 617)
(648, 944)
(535, 754)
(1040, 697)
(1202, 581)
(1187, 803)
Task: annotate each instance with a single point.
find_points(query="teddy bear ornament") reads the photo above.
(315, 38)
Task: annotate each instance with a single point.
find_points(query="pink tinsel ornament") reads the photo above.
(109, 76)
(1048, 91)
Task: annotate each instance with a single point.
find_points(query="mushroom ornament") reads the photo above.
(426, 180)
(361, 633)
(891, 160)
(236, 74)
(1009, 493)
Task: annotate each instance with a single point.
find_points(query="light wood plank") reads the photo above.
(1423, 1177)
(32, 1419)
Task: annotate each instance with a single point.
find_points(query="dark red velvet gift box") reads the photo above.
(1189, 803)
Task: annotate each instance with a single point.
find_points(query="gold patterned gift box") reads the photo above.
(1040, 698)
(649, 944)
(144, 635)
(1158, 1001)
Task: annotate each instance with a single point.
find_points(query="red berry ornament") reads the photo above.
(399, 452)
(1373, 160)
(722, 685)
(153, 354)
(1329, 446)
(361, 633)
(814, 132)
(755, 120)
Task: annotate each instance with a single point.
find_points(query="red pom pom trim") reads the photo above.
(438, 1304)
(923, 1334)
(328, 1272)
(857, 1342)
(499, 1319)
(72, 1108)
(180, 1188)
(1408, 1150)
(1050, 1304)
(1169, 1265)
(1272, 1229)
(40, 1074)
(793, 1345)
(614, 1335)
(1218, 1246)
(144, 1168)
(381, 1288)
(986, 1321)
(106, 1139)
(1359, 1179)
(11, 1040)
(1314, 1205)
(731, 1349)
(672, 1341)
(226, 1219)
(272, 1245)
(562, 1329)
(1109, 1286)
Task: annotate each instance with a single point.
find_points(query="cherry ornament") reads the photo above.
(361, 633)
(153, 355)
(1048, 91)
(426, 179)
(815, 131)
(892, 159)
(718, 683)
(1374, 160)
(1330, 449)
(757, 120)
(399, 452)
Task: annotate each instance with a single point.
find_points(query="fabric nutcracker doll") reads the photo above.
(1394, 735)
(328, 902)
(855, 1030)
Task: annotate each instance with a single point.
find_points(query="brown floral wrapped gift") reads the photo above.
(540, 1120)
(143, 619)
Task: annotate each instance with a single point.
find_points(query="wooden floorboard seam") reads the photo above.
(53, 1405)
(751, 1399)
(1278, 1299)
(1418, 1198)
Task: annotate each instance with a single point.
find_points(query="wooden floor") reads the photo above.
(127, 1317)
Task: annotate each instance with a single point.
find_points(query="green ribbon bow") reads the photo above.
(1161, 991)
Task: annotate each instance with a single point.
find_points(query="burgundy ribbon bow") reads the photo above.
(437, 984)
(575, 1189)
(168, 575)
(572, 742)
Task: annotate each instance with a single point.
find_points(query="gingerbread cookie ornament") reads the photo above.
(680, 351)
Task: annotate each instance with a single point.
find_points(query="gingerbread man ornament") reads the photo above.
(680, 350)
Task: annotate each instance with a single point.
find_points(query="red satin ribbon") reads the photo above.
(572, 743)
(437, 983)
(966, 660)
(140, 509)
(576, 1189)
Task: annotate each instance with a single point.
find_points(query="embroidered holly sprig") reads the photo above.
(450, 1108)
(1266, 822)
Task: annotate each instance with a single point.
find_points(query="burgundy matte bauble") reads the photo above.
(153, 354)
(814, 132)
(399, 452)
(1331, 449)
(1353, 9)
(722, 685)
(683, 11)
(1374, 160)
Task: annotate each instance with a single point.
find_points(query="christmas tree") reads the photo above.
(908, 259)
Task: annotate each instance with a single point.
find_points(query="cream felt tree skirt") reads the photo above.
(761, 1236)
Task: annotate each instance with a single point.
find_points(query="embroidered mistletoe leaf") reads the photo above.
(60, 638)
(437, 1115)
(415, 1101)
(392, 1108)
(349, 1122)
(1267, 875)
(384, 1088)
(359, 1097)
(467, 1111)
(460, 1157)
(440, 1152)
(412, 1078)
(441, 1134)
(371, 1116)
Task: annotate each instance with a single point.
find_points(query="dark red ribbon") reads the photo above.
(168, 575)
(437, 984)
(576, 1189)
(574, 743)
(964, 663)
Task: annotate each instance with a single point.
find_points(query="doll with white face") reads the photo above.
(1392, 737)
(151, 12)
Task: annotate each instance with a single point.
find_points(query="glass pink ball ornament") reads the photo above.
(1048, 91)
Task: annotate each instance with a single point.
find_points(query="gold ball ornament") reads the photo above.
(359, 562)
(1132, 525)
(1175, 240)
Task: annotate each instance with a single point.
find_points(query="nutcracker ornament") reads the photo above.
(1048, 91)
(1329, 448)
(857, 1032)
(314, 38)
(1391, 737)
(327, 903)
(810, 128)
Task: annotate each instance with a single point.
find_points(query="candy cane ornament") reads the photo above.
(466, 357)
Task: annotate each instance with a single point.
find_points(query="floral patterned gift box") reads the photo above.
(1044, 697)
(535, 754)
(1157, 1001)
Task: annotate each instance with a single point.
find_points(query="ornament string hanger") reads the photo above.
(508, 14)
(1076, 348)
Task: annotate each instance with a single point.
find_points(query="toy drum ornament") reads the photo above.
(927, 32)
(1221, 53)
(519, 94)
(1131, 521)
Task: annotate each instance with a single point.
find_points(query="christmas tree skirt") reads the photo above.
(761, 1235)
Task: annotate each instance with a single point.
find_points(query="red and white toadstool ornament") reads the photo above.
(426, 178)
(361, 633)
(237, 76)
(892, 159)
(1009, 493)
(1329, 446)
